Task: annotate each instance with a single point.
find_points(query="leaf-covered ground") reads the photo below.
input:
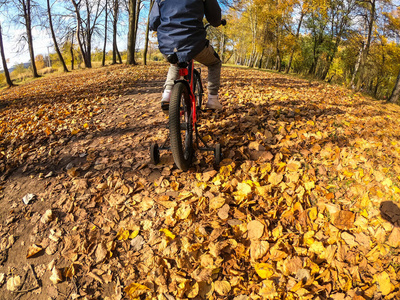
(305, 204)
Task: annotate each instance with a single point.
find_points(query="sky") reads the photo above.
(43, 43)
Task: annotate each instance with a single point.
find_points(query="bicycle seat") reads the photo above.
(172, 58)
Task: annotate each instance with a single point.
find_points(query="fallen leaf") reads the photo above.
(222, 287)
(33, 250)
(134, 290)
(13, 283)
(223, 212)
(264, 270)
(255, 229)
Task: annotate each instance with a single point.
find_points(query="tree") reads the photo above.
(86, 27)
(53, 35)
(115, 23)
(132, 33)
(146, 42)
(25, 14)
(105, 34)
(3, 58)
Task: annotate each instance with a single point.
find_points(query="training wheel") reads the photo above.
(217, 154)
(154, 154)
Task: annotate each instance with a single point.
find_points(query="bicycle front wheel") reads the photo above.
(180, 126)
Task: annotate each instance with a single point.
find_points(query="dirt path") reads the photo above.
(299, 195)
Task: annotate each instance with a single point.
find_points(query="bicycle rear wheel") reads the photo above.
(180, 126)
(197, 89)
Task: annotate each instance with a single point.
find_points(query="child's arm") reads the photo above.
(154, 17)
(212, 12)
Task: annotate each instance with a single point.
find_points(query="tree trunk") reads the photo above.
(356, 67)
(3, 58)
(119, 56)
(131, 33)
(394, 98)
(72, 52)
(78, 29)
(294, 47)
(138, 2)
(27, 16)
(365, 50)
(88, 38)
(115, 22)
(53, 35)
(103, 62)
(146, 42)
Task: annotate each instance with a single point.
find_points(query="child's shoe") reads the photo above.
(165, 100)
(213, 102)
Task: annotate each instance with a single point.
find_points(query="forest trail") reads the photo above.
(304, 204)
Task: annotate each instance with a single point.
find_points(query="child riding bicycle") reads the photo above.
(180, 31)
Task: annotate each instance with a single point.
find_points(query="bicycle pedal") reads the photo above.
(165, 107)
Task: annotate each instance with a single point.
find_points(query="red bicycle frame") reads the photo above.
(184, 72)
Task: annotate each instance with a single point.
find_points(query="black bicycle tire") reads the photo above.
(218, 154)
(154, 154)
(197, 85)
(178, 152)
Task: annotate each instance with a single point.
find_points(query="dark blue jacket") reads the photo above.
(179, 25)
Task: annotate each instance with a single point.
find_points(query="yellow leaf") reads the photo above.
(183, 212)
(193, 291)
(123, 234)
(312, 213)
(168, 233)
(383, 280)
(134, 290)
(175, 185)
(268, 290)
(309, 185)
(317, 247)
(387, 182)
(310, 123)
(275, 178)
(74, 131)
(222, 287)
(264, 270)
(244, 188)
(86, 125)
(134, 234)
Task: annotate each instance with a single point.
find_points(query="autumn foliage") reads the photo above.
(303, 206)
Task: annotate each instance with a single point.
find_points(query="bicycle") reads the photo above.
(184, 107)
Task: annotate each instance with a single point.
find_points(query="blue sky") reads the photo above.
(43, 43)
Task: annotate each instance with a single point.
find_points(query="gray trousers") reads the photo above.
(207, 57)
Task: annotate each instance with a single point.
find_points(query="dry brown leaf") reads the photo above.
(223, 212)
(13, 283)
(255, 230)
(33, 250)
(101, 252)
(258, 249)
(217, 202)
(56, 275)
